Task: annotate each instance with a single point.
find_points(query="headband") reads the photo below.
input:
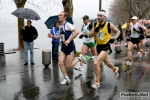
(101, 13)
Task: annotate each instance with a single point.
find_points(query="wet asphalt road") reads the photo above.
(19, 82)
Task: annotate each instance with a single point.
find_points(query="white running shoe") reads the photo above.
(140, 54)
(79, 68)
(96, 85)
(65, 81)
(128, 63)
(145, 56)
(81, 58)
(116, 72)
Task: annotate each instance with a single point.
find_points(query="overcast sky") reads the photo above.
(81, 7)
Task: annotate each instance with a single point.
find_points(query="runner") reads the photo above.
(88, 43)
(148, 34)
(136, 28)
(68, 32)
(128, 32)
(103, 37)
(142, 37)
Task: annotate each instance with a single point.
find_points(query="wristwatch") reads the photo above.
(53, 36)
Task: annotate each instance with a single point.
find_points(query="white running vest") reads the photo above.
(134, 29)
(86, 31)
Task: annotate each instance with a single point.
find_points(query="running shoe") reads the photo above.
(116, 72)
(145, 56)
(79, 68)
(128, 63)
(65, 81)
(96, 85)
(81, 58)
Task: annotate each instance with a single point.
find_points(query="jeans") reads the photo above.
(55, 47)
(30, 46)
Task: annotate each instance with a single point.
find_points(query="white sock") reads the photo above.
(66, 77)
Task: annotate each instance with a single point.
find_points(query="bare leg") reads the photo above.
(94, 52)
(69, 61)
(62, 57)
(139, 48)
(99, 59)
(130, 46)
(83, 52)
(109, 64)
(142, 42)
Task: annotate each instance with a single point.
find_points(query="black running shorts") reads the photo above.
(104, 47)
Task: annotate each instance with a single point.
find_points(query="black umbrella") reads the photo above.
(26, 14)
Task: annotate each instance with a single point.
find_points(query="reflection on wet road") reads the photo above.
(18, 82)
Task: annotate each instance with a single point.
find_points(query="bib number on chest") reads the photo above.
(100, 35)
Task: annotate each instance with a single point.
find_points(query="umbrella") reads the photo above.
(144, 21)
(26, 14)
(125, 25)
(52, 19)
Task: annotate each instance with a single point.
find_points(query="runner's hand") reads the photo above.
(67, 42)
(81, 36)
(112, 40)
(50, 35)
(86, 36)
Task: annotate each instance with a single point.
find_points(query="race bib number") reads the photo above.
(100, 35)
(62, 37)
(133, 32)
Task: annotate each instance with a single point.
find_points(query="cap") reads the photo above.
(85, 17)
(134, 17)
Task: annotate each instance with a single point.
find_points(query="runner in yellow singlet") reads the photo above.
(103, 37)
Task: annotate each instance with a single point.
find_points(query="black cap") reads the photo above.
(85, 17)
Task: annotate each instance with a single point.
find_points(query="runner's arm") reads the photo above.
(75, 33)
(92, 32)
(116, 30)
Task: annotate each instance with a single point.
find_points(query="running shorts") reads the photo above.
(89, 44)
(135, 40)
(104, 47)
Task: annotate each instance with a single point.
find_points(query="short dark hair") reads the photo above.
(29, 21)
(65, 14)
(85, 17)
(55, 23)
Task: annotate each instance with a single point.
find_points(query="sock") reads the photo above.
(129, 60)
(114, 69)
(66, 77)
(98, 80)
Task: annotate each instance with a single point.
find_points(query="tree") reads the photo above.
(68, 7)
(120, 9)
(20, 3)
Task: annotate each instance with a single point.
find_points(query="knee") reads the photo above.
(96, 63)
(128, 49)
(60, 63)
(83, 52)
